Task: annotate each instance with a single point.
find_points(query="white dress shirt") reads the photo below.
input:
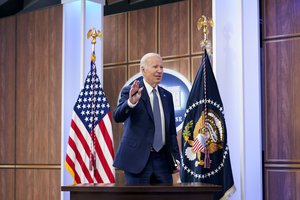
(149, 89)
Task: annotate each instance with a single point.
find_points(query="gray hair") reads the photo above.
(145, 58)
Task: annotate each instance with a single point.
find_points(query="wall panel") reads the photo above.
(281, 82)
(133, 69)
(174, 33)
(199, 8)
(142, 33)
(7, 182)
(115, 39)
(38, 86)
(282, 184)
(196, 62)
(54, 84)
(281, 19)
(30, 93)
(282, 110)
(24, 85)
(114, 79)
(36, 184)
(7, 88)
(181, 65)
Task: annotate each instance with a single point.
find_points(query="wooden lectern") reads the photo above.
(180, 191)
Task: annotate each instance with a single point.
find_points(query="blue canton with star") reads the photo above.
(91, 105)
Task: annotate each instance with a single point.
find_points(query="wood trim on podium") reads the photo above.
(180, 191)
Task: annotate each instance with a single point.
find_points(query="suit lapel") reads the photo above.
(164, 101)
(146, 99)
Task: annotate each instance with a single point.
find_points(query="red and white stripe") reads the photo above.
(78, 152)
(197, 147)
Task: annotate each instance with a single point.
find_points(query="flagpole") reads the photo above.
(94, 34)
(204, 22)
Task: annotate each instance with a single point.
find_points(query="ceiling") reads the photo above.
(11, 7)
(118, 6)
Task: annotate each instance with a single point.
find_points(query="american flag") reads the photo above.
(199, 144)
(197, 147)
(209, 160)
(90, 151)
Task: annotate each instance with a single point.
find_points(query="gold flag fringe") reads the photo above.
(228, 193)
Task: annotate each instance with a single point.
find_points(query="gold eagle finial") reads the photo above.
(204, 22)
(94, 34)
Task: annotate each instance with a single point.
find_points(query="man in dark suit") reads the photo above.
(148, 152)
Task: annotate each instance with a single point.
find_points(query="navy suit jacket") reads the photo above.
(135, 146)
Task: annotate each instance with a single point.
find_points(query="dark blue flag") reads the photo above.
(205, 154)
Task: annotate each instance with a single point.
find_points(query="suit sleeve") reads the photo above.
(122, 111)
(174, 147)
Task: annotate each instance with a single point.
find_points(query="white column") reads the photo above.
(237, 63)
(78, 17)
(252, 101)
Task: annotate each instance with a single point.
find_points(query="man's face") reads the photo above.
(153, 71)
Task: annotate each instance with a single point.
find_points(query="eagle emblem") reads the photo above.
(208, 136)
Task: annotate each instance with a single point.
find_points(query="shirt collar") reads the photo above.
(149, 88)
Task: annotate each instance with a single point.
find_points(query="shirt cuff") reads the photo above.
(131, 105)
